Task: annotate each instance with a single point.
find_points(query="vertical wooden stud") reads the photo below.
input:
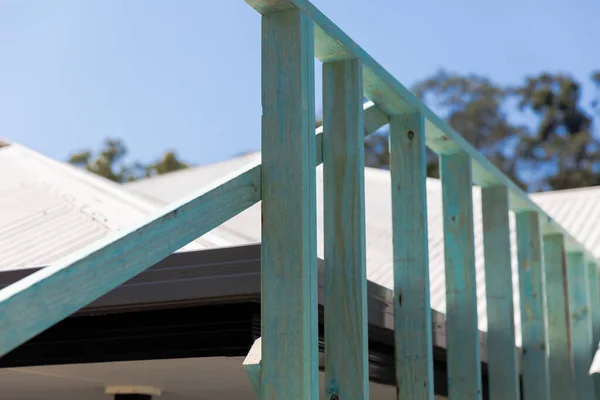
(503, 373)
(412, 310)
(533, 314)
(595, 315)
(581, 328)
(345, 299)
(288, 257)
(464, 365)
(559, 351)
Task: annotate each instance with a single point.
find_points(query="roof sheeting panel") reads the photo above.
(38, 225)
(245, 228)
(49, 209)
(578, 210)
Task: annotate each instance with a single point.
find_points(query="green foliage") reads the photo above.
(558, 150)
(110, 163)
(474, 107)
(563, 143)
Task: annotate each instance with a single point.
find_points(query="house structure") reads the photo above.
(178, 331)
(133, 296)
(140, 334)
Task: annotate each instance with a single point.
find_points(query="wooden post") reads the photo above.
(595, 315)
(412, 309)
(288, 259)
(533, 314)
(581, 328)
(503, 373)
(464, 365)
(345, 300)
(559, 351)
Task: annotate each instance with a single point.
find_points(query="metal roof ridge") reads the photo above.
(90, 179)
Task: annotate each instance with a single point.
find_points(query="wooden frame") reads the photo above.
(294, 32)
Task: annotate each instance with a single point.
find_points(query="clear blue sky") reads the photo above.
(185, 74)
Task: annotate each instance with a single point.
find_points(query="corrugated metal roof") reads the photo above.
(49, 209)
(578, 211)
(247, 228)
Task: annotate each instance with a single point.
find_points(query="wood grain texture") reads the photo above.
(373, 119)
(559, 351)
(464, 368)
(393, 98)
(595, 317)
(503, 372)
(35, 303)
(289, 257)
(581, 328)
(345, 292)
(412, 309)
(534, 362)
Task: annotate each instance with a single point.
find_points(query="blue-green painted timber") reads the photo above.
(559, 351)
(288, 255)
(412, 309)
(581, 328)
(464, 366)
(557, 342)
(534, 361)
(503, 373)
(595, 316)
(331, 43)
(373, 118)
(35, 303)
(345, 292)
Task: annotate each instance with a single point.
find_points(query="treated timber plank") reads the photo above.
(345, 291)
(288, 251)
(331, 43)
(581, 328)
(35, 303)
(595, 316)
(464, 368)
(503, 373)
(534, 362)
(34, 289)
(559, 352)
(412, 309)
(373, 119)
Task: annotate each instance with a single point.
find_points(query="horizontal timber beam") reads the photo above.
(332, 43)
(35, 303)
(55, 292)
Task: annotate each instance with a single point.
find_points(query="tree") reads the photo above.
(562, 147)
(473, 106)
(168, 163)
(559, 151)
(110, 163)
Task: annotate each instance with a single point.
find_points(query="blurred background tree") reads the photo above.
(109, 162)
(539, 132)
(554, 148)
